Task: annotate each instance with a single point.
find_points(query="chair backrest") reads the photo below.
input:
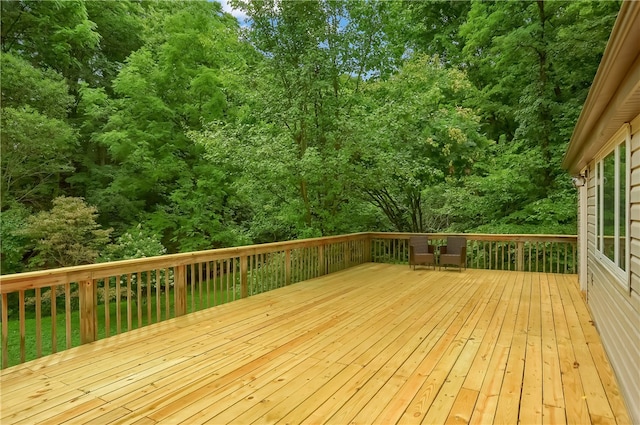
(420, 244)
(455, 244)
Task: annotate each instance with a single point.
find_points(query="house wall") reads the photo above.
(616, 309)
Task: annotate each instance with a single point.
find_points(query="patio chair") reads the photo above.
(454, 253)
(420, 252)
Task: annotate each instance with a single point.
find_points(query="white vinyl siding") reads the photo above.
(615, 307)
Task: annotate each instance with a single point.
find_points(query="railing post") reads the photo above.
(180, 290)
(322, 269)
(287, 267)
(244, 267)
(88, 311)
(519, 256)
(367, 249)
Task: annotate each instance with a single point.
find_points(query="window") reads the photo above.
(611, 206)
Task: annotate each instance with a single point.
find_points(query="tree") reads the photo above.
(37, 143)
(434, 28)
(518, 54)
(418, 133)
(50, 34)
(293, 148)
(183, 75)
(532, 63)
(67, 235)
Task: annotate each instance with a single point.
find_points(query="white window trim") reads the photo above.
(622, 136)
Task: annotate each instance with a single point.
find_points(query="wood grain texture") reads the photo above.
(376, 343)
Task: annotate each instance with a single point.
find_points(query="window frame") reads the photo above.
(621, 138)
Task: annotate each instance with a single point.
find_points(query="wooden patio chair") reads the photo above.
(420, 252)
(454, 253)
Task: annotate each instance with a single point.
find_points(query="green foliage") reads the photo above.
(67, 235)
(35, 152)
(417, 133)
(318, 118)
(52, 34)
(136, 243)
(167, 87)
(14, 245)
(41, 89)
(36, 141)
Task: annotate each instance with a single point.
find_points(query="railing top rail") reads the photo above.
(481, 236)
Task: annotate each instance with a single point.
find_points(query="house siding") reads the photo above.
(634, 215)
(616, 309)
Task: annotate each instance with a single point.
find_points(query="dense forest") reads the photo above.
(135, 128)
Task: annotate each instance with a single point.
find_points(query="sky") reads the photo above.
(240, 16)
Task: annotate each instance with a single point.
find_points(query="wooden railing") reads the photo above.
(533, 253)
(46, 311)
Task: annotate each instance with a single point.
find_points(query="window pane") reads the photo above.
(609, 213)
(623, 207)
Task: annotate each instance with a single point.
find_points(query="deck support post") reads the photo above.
(180, 290)
(287, 267)
(520, 256)
(88, 313)
(244, 267)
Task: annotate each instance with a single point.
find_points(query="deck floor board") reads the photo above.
(376, 343)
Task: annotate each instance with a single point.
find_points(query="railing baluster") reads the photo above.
(139, 285)
(167, 290)
(106, 290)
(236, 277)
(149, 297)
(54, 318)
(215, 282)
(38, 323)
(118, 307)
(67, 313)
(197, 279)
(129, 313)
(229, 276)
(287, 267)
(5, 330)
(192, 286)
(22, 326)
(158, 306)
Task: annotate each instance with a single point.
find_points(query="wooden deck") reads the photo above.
(376, 343)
